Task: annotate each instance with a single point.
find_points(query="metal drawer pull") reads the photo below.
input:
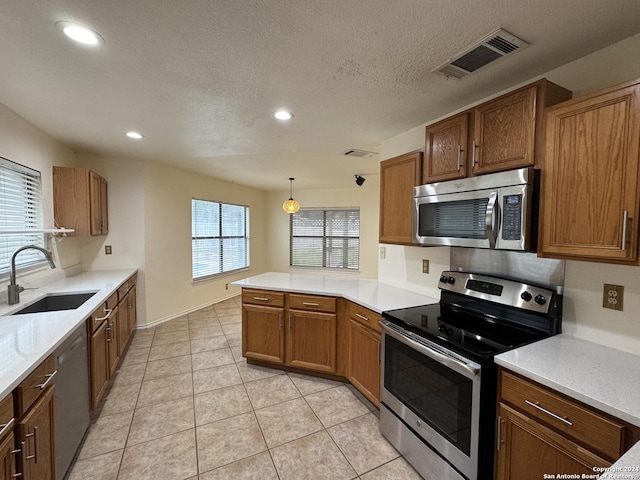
(311, 304)
(49, 376)
(473, 154)
(459, 155)
(557, 417)
(34, 457)
(625, 219)
(6, 426)
(262, 299)
(108, 312)
(362, 317)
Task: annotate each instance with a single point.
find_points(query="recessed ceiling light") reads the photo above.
(283, 115)
(80, 34)
(135, 135)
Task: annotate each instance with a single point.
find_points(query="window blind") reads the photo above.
(20, 209)
(220, 242)
(325, 238)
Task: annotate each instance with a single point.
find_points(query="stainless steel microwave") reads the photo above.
(497, 211)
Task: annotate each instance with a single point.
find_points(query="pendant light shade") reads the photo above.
(291, 205)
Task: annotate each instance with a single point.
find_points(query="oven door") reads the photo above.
(435, 392)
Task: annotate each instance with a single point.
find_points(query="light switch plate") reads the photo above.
(612, 296)
(107, 249)
(425, 266)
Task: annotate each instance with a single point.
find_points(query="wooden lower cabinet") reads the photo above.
(113, 349)
(528, 450)
(263, 333)
(7, 456)
(364, 360)
(311, 340)
(35, 431)
(99, 367)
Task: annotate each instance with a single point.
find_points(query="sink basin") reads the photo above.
(56, 301)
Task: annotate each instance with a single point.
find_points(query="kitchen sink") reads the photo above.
(56, 301)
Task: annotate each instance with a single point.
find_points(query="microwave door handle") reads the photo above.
(491, 219)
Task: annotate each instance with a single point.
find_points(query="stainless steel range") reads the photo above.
(438, 393)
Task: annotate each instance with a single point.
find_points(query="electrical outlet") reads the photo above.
(383, 252)
(107, 249)
(425, 266)
(226, 286)
(612, 296)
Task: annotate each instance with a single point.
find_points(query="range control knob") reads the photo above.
(451, 280)
(443, 279)
(526, 296)
(540, 299)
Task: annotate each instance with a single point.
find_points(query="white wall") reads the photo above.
(167, 226)
(23, 143)
(365, 197)
(584, 316)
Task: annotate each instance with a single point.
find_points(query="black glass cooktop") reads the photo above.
(468, 333)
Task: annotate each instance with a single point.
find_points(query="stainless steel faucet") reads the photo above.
(13, 290)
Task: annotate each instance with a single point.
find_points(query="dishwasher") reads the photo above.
(71, 398)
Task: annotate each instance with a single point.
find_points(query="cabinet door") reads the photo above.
(504, 132)
(95, 200)
(263, 333)
(123, 325)
(398, 176)
(131, 305)
(528, 450)
(7, 458)
(36, 437)
(104, 210)
(113, 351)
(99, 363)
(590, 185)
(311, 340)
(445, 150)
(364, 361)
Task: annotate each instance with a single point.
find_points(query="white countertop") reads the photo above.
(26, 340)
(371, 294)
(602, 377)
(599, 376)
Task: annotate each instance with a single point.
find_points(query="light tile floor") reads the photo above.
(185, 405)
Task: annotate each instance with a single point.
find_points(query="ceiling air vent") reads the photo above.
(354, 152)
(490, 48)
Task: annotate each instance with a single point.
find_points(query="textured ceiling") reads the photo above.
(201, 78)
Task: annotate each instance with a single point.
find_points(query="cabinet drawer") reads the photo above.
(122, 290)
(365, 316)
(312, 303)
(6, 414)
(31, 387)
(584, 425)
(263, 297)
(112, 301)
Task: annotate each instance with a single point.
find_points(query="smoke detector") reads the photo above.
(492, 47)
(354, 152)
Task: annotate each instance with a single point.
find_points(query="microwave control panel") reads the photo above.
(512, 217)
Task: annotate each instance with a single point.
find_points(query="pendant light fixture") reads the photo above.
(291, 205)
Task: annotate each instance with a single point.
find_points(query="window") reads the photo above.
(20, 210)
(219, 238)
(325, 238)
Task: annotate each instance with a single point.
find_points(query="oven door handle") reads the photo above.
(491, 219)
(451, 362)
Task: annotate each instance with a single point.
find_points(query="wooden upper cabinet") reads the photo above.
(445, 150)
(504, 132)
(501, 134)
(98, 204)
(80, 201)
(398, 176)
(591, 184)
